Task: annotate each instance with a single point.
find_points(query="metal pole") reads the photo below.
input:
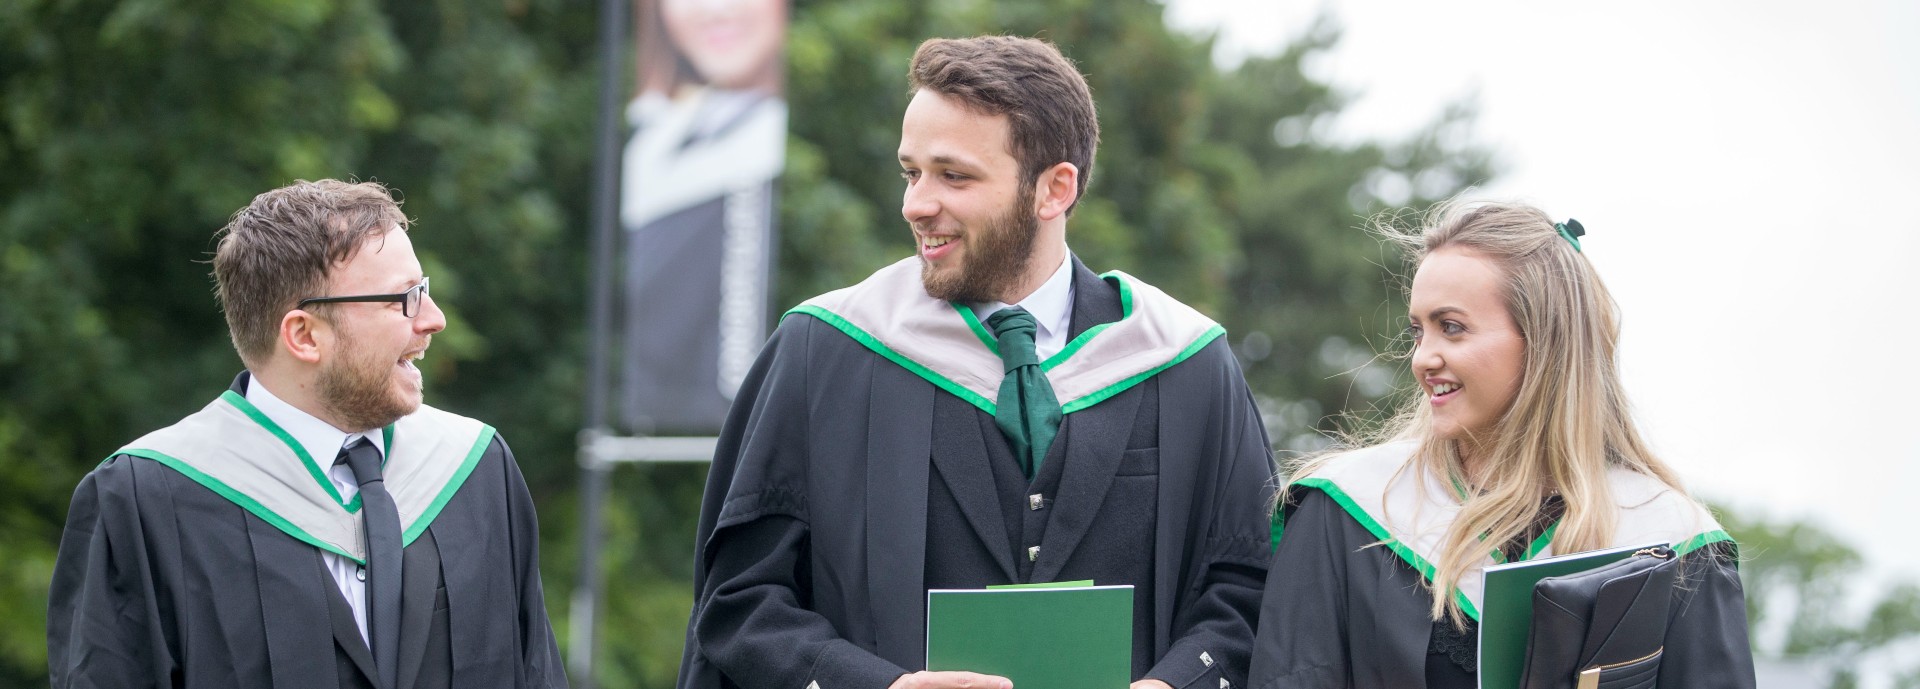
(585, 605)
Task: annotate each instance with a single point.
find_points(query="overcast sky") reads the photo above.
(1746, 172)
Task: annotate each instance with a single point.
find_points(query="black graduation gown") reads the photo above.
(814, 533)
(160, 582)
(1338, 614)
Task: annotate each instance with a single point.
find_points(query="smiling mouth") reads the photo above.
(1445, 389)
(937, 247)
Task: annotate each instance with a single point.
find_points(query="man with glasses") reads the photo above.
(316, 525)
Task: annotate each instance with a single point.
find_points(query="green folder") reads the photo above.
(1041, 637)
(1506, 609)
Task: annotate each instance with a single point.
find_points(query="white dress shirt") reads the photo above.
(323, 442)
(1051, 306)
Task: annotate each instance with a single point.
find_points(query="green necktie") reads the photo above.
(1028, 412)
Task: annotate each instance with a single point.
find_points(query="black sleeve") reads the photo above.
(1218, 638)
(1213, 634)
(1302, 640)
(540, 655)
(755, 621)
(1707, 643)
(752, 619)
(103, 627)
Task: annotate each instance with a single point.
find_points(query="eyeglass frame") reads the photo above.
(400, 297)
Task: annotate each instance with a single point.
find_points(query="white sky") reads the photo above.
(1747, 173)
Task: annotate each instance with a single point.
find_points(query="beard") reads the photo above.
(359, 391)
(996, 257)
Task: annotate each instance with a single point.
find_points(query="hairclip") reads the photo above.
(1571, 231)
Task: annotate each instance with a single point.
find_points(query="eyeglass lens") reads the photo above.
(415, 295)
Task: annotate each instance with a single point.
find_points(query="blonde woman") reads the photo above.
(1520, 440)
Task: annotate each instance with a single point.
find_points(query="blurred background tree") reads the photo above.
(1806, 590)
(131, 129)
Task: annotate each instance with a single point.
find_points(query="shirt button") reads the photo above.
(1033, 553)
(1036, 501)
(360, 573)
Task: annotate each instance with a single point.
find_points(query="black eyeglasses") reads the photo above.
(409, 300)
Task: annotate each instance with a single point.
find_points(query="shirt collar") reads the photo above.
(1051, 305)
(320, 439)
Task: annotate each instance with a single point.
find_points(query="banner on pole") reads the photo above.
(709, 128)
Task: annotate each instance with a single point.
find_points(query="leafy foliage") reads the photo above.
(1804, 582)
(131, 130)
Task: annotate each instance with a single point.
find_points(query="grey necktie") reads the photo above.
(383, 558)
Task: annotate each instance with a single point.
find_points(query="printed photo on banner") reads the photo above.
(708, 138)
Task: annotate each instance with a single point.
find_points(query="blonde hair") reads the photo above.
(1569, 421)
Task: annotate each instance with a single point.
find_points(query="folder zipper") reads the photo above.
(1590, 677)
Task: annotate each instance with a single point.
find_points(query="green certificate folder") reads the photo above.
(1506, 609)
(1053, 637)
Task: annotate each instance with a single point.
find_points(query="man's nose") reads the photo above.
(430, 319)
(919, 202)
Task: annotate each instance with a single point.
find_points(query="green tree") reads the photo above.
(131, 129)
(1800, 577)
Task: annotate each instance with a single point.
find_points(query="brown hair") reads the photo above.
(1047, 103)
(282, 246)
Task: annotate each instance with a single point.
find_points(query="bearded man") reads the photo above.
(315, 526)
(987, 412)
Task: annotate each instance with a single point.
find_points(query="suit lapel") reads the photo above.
(346, 634)
(1095, 301)
(1095, 437)
(421, 562)
(1096, 440)
(961, 456)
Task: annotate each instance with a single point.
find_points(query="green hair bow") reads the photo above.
(1571, 231)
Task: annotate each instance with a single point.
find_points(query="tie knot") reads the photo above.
(363, 458)
(1012, 321)
(1015, 329)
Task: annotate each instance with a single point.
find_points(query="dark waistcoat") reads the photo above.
(974, 466)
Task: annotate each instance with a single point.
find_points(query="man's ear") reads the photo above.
(300, 335)
(1055, 190)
